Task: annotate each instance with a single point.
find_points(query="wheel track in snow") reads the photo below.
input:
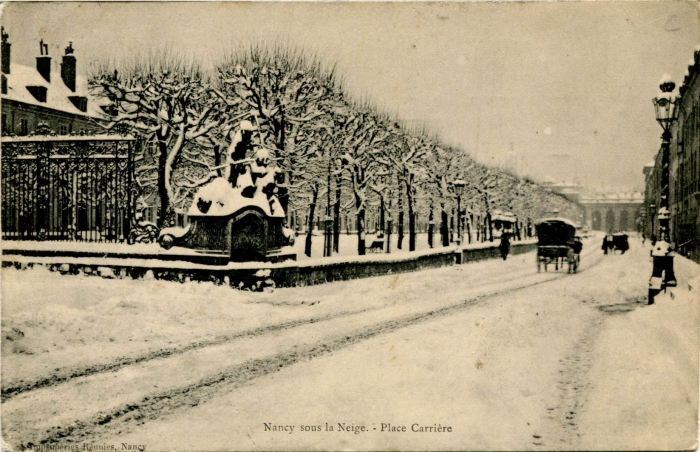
(161, 404)
(15, 388)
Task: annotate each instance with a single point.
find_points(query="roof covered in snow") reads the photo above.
(562, 220)
(57, 93)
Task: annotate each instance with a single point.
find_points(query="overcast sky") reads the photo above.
(551, 89)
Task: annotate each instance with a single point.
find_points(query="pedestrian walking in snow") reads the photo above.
(504, 246)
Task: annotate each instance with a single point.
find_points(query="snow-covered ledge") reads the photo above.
(139, 262)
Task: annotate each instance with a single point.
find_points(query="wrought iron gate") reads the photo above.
(67, 188)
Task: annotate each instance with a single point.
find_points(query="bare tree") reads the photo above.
(166, 99)
(408, 158)
(442, 165)
(283, 87)
(364, 134)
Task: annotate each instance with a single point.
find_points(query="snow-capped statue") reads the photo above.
(241, 145)
(239, 214)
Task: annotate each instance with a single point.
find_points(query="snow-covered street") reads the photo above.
(489, 355)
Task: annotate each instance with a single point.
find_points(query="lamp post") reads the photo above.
(652, 215)
(666, 106)
(459, 185)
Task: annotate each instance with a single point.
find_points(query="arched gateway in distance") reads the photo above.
(612, 212)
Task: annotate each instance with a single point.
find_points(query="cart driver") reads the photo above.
(577, 246)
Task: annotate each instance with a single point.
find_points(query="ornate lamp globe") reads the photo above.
(459, 185)
(666, 103)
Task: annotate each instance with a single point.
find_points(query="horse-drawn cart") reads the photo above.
(556, 238)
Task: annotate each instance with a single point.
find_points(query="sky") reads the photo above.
(551, 90)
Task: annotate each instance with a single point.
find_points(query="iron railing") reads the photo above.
(68, 188)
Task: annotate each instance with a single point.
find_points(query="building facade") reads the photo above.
(684, 166)
(61, 179)
(608, 212)
(612, 212)
(50, 98)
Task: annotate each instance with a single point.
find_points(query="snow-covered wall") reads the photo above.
(256, 275)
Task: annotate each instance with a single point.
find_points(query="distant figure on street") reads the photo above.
(573, 255)
(607, 244)
(504, 246)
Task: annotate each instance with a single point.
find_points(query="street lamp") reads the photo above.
(652, 215)
(459, 185)
(666, 106)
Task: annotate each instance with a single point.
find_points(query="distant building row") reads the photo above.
(609, 212)
(684, 170)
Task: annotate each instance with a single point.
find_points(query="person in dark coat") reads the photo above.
(578, 245)
(504, 246)
(606, 245)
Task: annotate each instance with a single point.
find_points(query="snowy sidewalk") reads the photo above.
(648, 358)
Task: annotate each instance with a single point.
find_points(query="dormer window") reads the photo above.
(80, 102)
(39, 92)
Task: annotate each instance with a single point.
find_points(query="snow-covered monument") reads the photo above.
(238, 215)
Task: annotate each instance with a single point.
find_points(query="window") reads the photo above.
(23, 127)
(63, 129)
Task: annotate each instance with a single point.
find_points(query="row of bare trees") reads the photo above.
(327, 145)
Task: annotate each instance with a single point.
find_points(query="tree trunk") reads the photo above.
(444, 239)
(411, 221)
(217, 159)
(162, 185)
(361, 231)
(310, 229)
(430, 227)
(336, 214)
(381, 214)
(468, 220)
(400, 225)
(327, 228)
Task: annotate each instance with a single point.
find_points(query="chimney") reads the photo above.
(68, 68)
(43, 62)
(5, 52)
